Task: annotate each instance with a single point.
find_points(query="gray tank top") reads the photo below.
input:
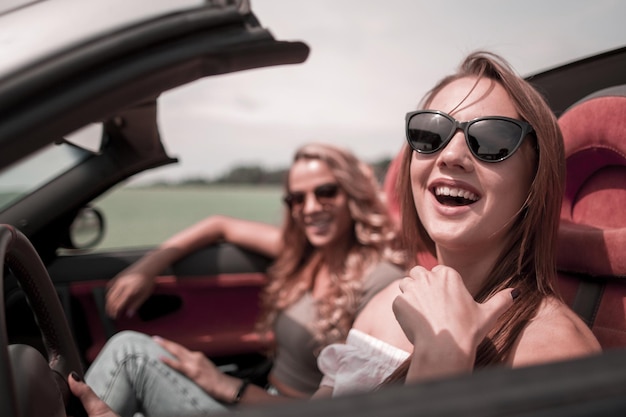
(296, 363)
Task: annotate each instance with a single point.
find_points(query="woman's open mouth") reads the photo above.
(453, 196)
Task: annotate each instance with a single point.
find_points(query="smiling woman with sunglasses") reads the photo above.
(336, 249)
(480, 187)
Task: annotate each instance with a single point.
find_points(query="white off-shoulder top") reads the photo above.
(360, 364)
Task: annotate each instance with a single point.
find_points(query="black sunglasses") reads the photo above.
(490, 139)
(324, 194)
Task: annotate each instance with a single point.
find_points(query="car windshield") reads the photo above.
(28, 174)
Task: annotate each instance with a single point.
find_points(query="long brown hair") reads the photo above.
(527, 262)
(374, 238)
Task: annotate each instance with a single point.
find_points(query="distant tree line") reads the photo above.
(257, 175)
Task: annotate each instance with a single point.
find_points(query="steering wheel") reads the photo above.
(31, 385)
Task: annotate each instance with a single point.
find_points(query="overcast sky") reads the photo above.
(370, 63)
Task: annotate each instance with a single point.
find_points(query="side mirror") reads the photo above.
(87, 229)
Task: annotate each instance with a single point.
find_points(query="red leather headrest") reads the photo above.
(592, 235)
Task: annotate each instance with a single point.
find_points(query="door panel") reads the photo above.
(209, 301)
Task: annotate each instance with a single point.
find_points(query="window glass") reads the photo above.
(157, 203)
(141, 216)
(30, 173)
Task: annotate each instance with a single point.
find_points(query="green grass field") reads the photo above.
(139, 217)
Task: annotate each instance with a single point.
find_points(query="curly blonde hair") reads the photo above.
(374, 238)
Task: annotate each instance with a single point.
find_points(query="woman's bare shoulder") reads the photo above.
(378, 320)
(378, 307)
(556, 333)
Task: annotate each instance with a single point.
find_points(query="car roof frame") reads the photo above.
(566, 84)
(87, 87)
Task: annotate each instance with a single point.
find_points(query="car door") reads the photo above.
(208, 301)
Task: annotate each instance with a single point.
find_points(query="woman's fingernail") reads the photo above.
(76, 377)
(515, 293)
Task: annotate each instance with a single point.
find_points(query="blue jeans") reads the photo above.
(129, 376)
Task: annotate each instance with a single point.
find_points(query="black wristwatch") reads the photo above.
(241, 391)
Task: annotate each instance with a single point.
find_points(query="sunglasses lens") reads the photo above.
(326, 192)
(294, 199)
(323, 194)
(493, 139)
(427, 132)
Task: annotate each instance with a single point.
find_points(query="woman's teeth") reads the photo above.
(454, 196)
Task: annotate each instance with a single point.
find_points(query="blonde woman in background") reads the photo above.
(336, 249)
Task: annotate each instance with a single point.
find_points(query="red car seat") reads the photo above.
(592, 236)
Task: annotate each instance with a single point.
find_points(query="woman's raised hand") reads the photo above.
(128, 291)
(442, 320)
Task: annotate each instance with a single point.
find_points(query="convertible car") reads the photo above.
(105, 78)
